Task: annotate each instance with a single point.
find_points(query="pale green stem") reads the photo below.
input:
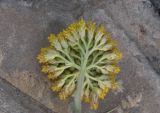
(80, 83)
(71, 60)
(95, 57)
(72, 64)
(95, 79)
(79, 90)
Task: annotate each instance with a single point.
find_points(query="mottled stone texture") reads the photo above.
(156, 4)
(25, 25)
(14, 101)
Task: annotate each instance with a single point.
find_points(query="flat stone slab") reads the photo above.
(13, 100)
(26, 24)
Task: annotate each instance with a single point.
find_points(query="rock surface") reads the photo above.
(156, 4)
(14, 101)
(25, 25)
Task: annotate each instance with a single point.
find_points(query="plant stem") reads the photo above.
(79, 91)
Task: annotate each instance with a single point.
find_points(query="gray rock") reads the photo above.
(14, 101)
(156, 4)
(25, 25)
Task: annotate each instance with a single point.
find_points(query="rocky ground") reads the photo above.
(25, 25)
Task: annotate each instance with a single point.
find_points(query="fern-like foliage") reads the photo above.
(81, 61)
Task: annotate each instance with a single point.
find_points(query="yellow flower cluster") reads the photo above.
(82, 47)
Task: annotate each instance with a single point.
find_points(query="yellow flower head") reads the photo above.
(82, 62)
